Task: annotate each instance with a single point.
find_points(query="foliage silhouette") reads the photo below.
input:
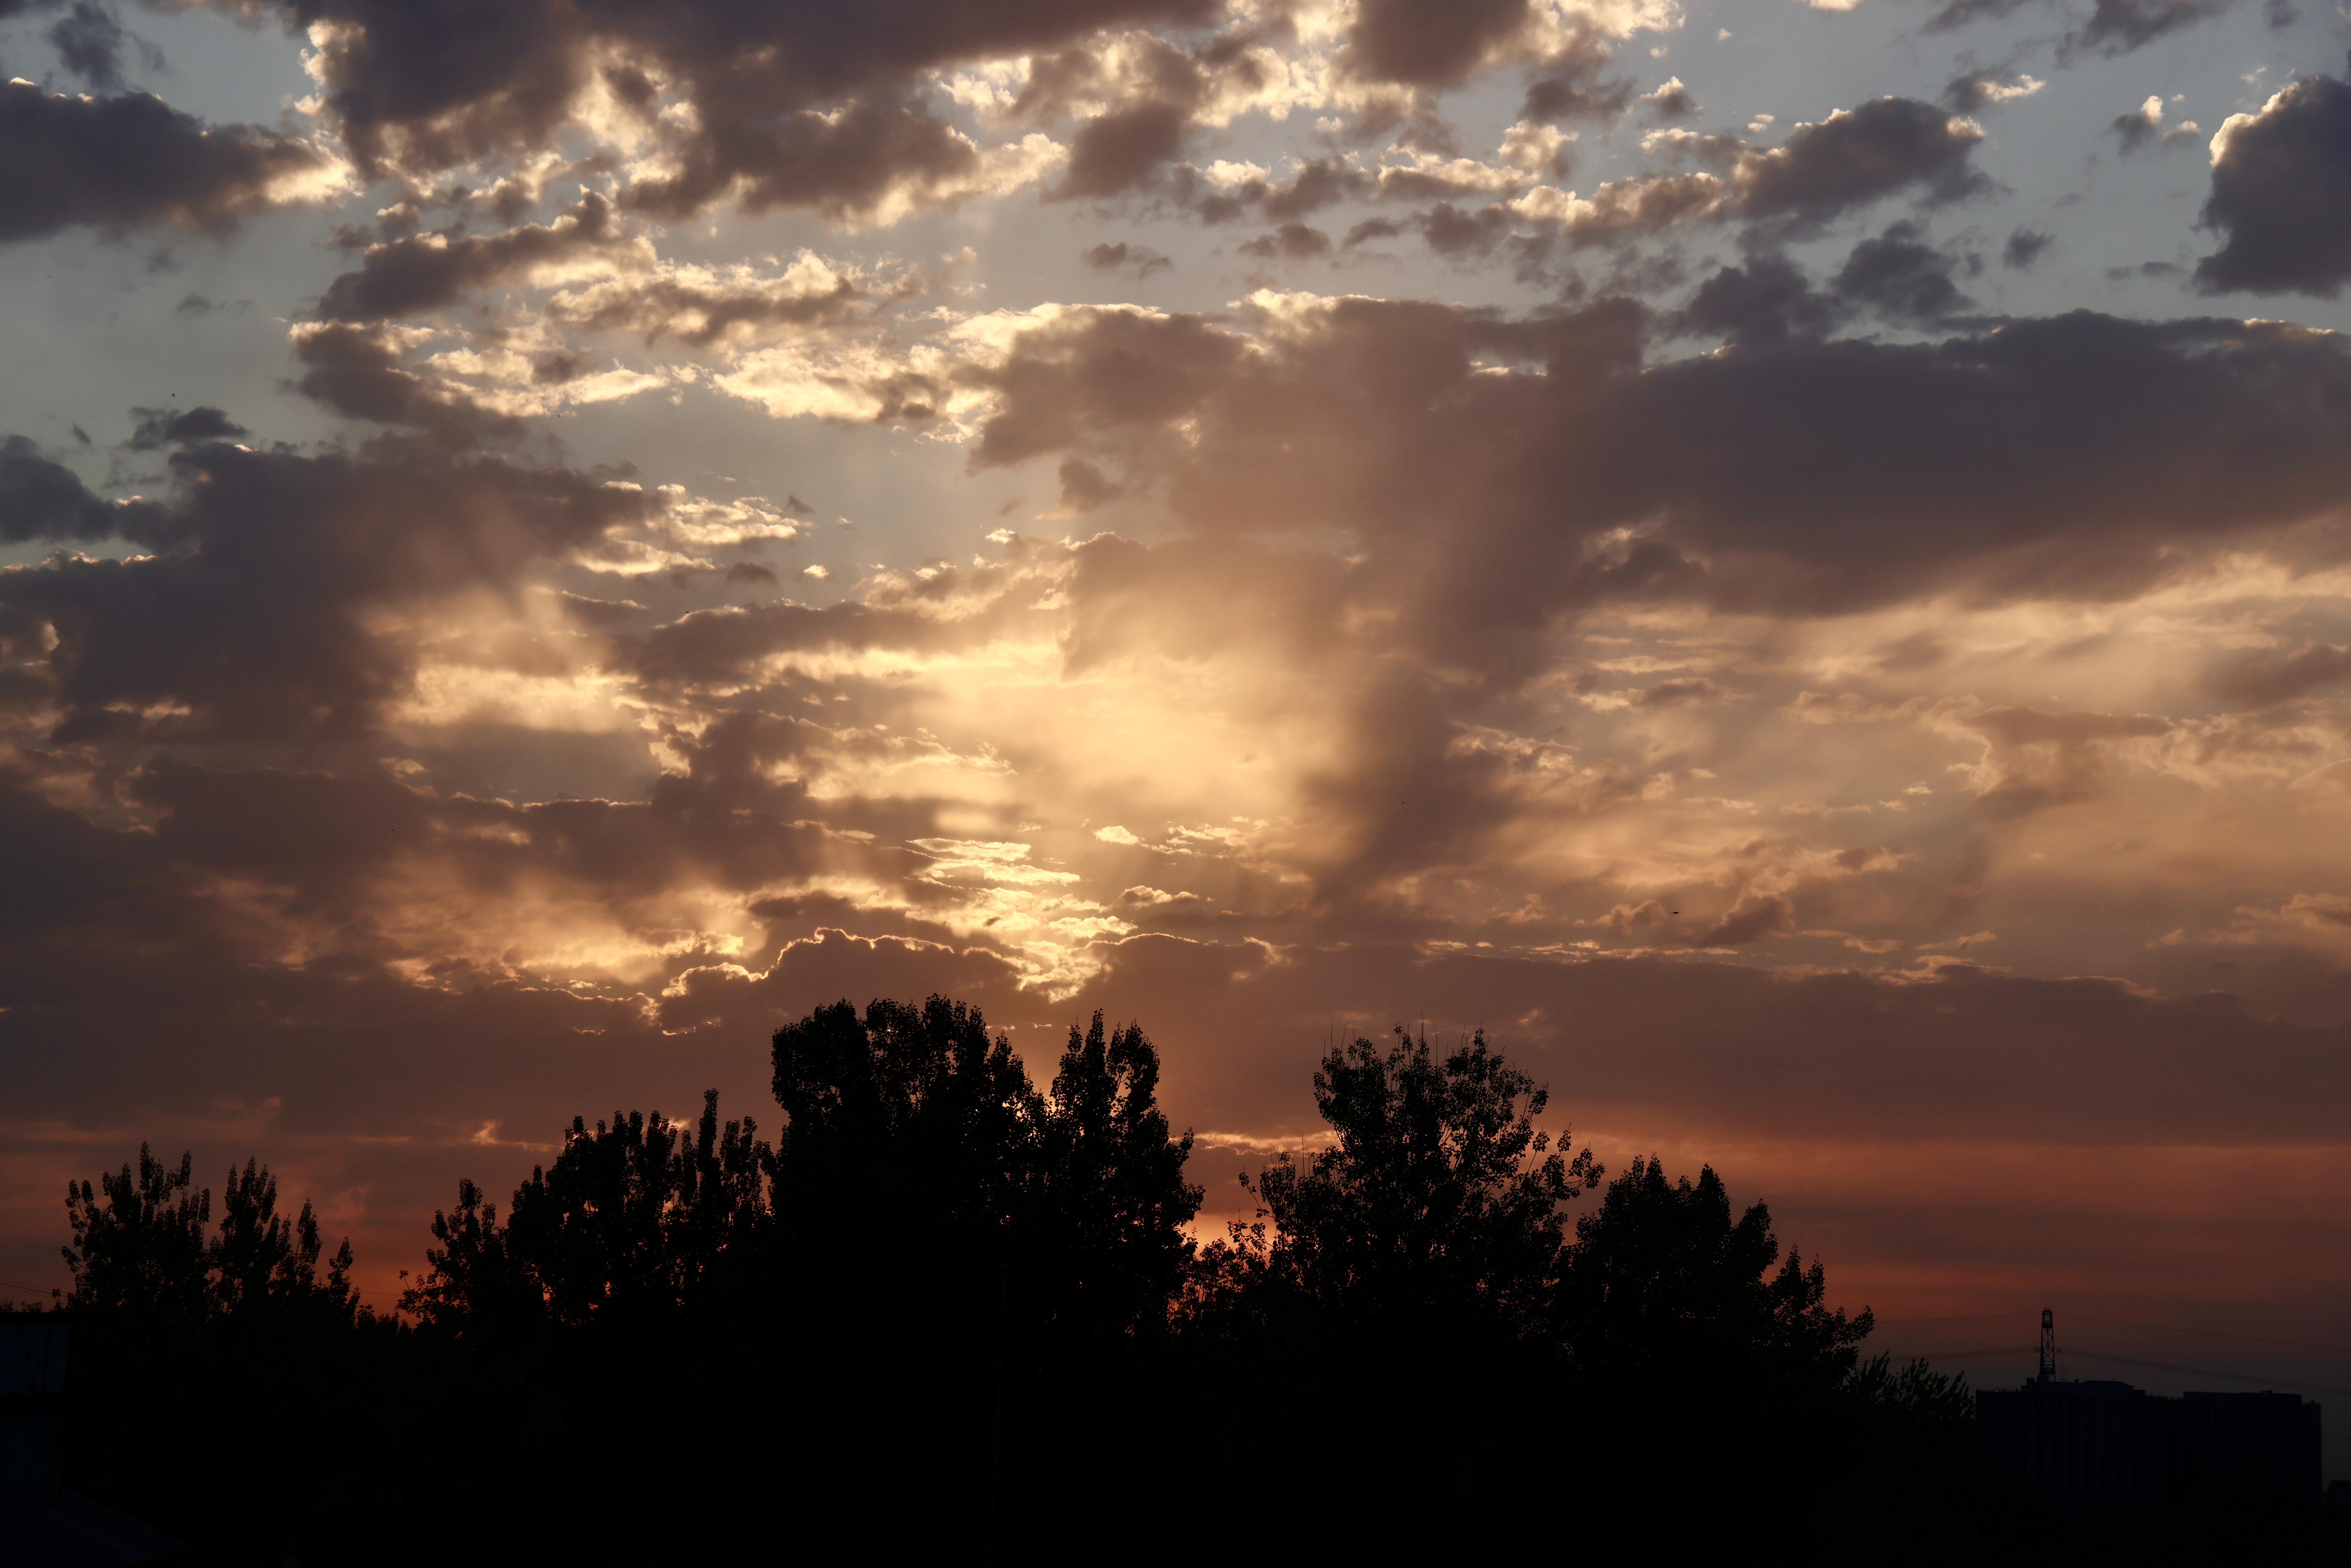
(1685, 1336)
(138, 1251)
(683, 1341)
(241, 1336)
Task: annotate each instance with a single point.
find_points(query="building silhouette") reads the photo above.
(2096, 1443)
(42, 1525)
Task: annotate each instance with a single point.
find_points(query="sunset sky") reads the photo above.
(1790, 563)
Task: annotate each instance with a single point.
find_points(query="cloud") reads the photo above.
(2033, 758)
(2025, 246)
(358, 371)
(2062, 456)
(2263, 679)
(2143, 127)
(430, 272)
(702, 306)
(1761, 303)
(254, 616)
(1139, 261)
(1426, 44)
(2118, 26)
(161, 427)
(1626, 209)
(1291, 242)
(2114, 27)
(41, 498)
(1901, 278)
(1671, 101)
(113, 164)
(89, 42)
(1981, 90)
(1115, 151)
(1755, 916)
(2282, 195)
(1857, 156)
(1822, 172)
(787, 107)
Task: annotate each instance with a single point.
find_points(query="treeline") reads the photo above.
(947, 1316)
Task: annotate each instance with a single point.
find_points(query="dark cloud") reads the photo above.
(794, 106)
(1318, 182)
(2114, 27)
(1762, 303)
(2118, 26)
(356, 371)
(43, 499)
(1671, 101)
(250, 617)
(700, 315)
(1960, 13)
(2025, 246)
(2139, 127)
(2282, 195)
(1857, 156)
(1115, 151)
(2075, 455)
(1901, 278)
(1085, 487)
(1113, 369)
(603, 613)
(119, 162)
(1566, 95)
(1430, 43)
(1139, 261)
(2262, 679)
(161, 427)
(751, 571)
(1291, 242)
(1679, 693)
(1755, 916)
(2038, 759)
(427, 272)
(715, 647)
(89, 42)
(2142, 127)
(840, 163)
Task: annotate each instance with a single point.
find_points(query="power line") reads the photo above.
(2215, 1334)
(2123, 1323)
(2133, 1361)
(20, 1285)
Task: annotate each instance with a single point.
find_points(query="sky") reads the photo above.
(1789, 562)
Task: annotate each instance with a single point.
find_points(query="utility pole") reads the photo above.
(2048, 1345)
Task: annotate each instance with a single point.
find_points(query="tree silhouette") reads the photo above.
(1109, 1202)
(242, 1336)
(1685, 1338)
(1397, 1288)
(1440, 1196)
(1663, 1285)
(263, 1265)
(138, 1251)
(676, 1339)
